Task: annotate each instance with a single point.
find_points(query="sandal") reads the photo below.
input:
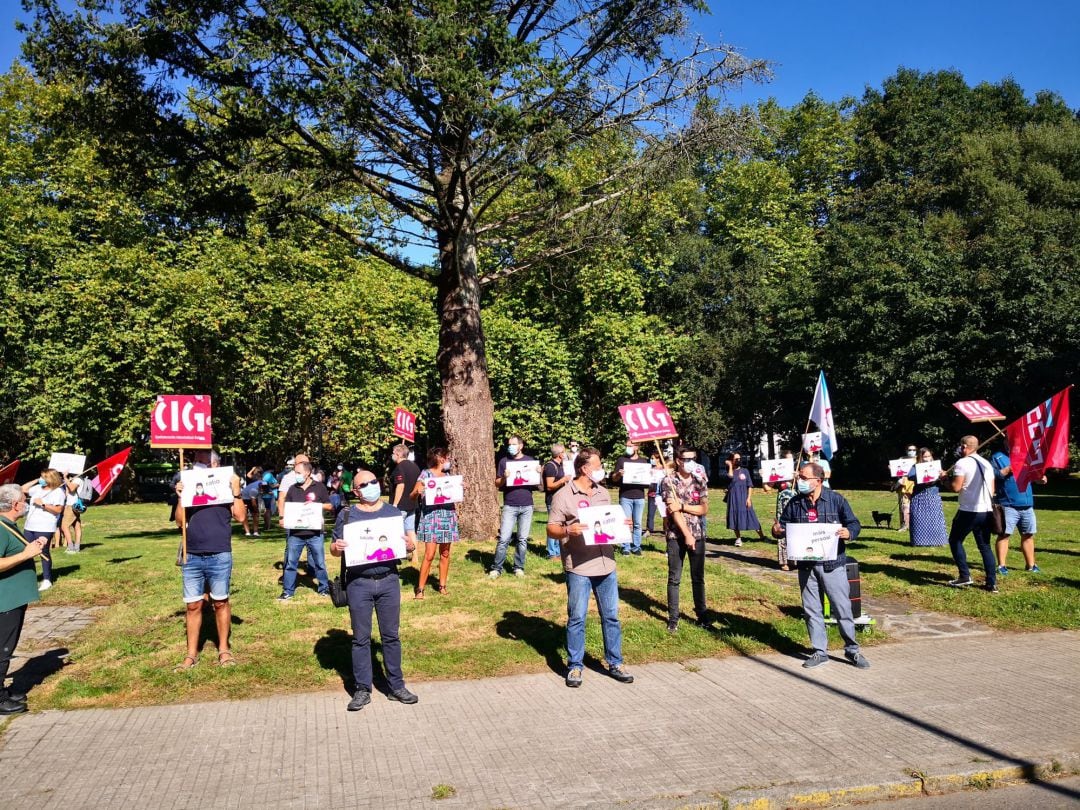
(226, 659)
(442, 589)
(418, 593)
(184, 665)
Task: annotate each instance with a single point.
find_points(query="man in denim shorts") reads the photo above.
(208, 567)
(1019, 508)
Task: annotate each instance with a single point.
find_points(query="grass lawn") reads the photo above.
(482, 627)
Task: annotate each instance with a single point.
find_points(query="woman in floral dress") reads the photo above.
(438, 523)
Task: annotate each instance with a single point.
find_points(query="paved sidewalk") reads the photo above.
(742, 728)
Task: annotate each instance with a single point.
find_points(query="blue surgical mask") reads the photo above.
(512, 449)
(804, 487)
(371, 491)
(41, 482)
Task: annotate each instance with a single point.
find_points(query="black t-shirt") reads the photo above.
(515, 496)
(370, 570)
(209, 528)
(316, 492)
(553, 470)
(630, 490)
(406, 472)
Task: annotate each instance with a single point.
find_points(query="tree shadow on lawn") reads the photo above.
(334, 651)
(543, 635)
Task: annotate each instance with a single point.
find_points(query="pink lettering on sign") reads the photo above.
(648, 420)
(978, 410)
(405, 424)
(181, 420)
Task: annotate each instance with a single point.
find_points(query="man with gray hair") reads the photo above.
(18, 586)
(554, 478)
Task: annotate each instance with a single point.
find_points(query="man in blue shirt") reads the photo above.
(1019, 508)
(815, 504)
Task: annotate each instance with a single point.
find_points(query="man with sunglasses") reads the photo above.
(815, 504)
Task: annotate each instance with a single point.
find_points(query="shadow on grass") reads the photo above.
(59, 571)
(911, 575)
(118, 560)
(753, 559)
(645, 603)
(38, 668)
(732, 629)
(543, 635)
(334, 651)
(1066, 551)
(484, 559)
(150, 534)
(940, 559)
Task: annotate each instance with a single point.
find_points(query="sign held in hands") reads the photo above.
(812, 541)
(646, 421)
(978, 410)
(405, 424)
(181, 420)
(603, 525)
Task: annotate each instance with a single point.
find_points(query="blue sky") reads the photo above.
(837, 48)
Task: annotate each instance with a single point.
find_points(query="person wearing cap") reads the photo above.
(208, 567)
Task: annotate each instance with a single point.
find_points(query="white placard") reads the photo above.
(774, 470)
(637, 472)
(657, 475)
(522, 474)
(603, 525)
(661, 507)
(374, 541)
(927, 472)
(67, 463)
(811, 442)
(445, 489)
(812, 541)
(206, 486)
(900, 467)
(303, 515)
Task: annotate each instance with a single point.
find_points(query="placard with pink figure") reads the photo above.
(444, 490)
(603, 525)
(927, 472)
(899, 467)
(774, 470)
(522, 474)
(811, 442)
(812, 541)
(374, 541)
(206, 486)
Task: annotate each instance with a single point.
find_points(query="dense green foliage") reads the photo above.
(920, 244)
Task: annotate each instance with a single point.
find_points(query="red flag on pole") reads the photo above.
(108, 471)
(1039, 440)
(8, 473)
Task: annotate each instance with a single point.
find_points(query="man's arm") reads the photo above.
(239, 511)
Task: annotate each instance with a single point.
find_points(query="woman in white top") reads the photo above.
(45, 499)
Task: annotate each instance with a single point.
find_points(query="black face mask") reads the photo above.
(737, 462)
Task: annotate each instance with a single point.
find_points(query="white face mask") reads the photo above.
(630, 449)
(411, 456)
(598, 475)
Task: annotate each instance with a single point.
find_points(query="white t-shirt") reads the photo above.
(975, 494)
(37, 518)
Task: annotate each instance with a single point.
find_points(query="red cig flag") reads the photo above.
(108, 471)
(1039, 440)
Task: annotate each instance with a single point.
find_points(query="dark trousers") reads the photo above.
(650, 522)
(46, 555)
(383, 596)
(11, 622)
(676, 552)
(977, 523)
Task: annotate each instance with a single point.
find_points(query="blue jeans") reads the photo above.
(203, 572)
(521, 516)
(977, 524)
(316, 561)
(46, 555)
(634, 508)
(814, 579)
(383, 596)
(606, 589)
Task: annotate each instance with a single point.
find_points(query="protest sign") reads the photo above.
(645, 421)
(67, 463)
(899, 467)
(811, 442)
(637, 472)
(181, 420)
(927, 472)
(978, 410)
(306, 515)
(603, 525)
(812, 541)
(777, 469)
(445, 489)
(371, 541)
(405, 424)
(522, 474)
(206, 486)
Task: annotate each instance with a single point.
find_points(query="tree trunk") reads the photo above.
(468, 411)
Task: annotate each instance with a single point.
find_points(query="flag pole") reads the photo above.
(183, 521)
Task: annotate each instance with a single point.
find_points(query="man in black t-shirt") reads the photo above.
(554, 478)
(517, 510)
(402, 481)
(631, 496)
(303, 529)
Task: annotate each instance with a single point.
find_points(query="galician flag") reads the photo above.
(108, 471)
(821, 415)
(1039, 440)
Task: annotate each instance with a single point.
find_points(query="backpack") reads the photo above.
(85, 490)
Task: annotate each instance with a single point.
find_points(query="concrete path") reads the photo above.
(929, 715)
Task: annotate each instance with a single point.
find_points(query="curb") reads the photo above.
(989, 775)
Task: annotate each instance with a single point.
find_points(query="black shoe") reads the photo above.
(7, 694)
(620, 674)
(705, 620)
(360, 699)
(573, 677)
(625, 552)
(402, 695)
(636, 552)
(673, 626)
(10, 706)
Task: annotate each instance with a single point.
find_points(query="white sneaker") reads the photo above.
(45, 585)
(493, 574)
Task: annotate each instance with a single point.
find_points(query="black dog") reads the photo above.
(882, 517)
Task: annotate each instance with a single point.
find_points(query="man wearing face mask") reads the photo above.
(517, 510)
(686, 495)
(631, 496)
(305, 490)
(372, 587)
(815, 504)
(589, 569)
(403, 481)
(554, 478)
